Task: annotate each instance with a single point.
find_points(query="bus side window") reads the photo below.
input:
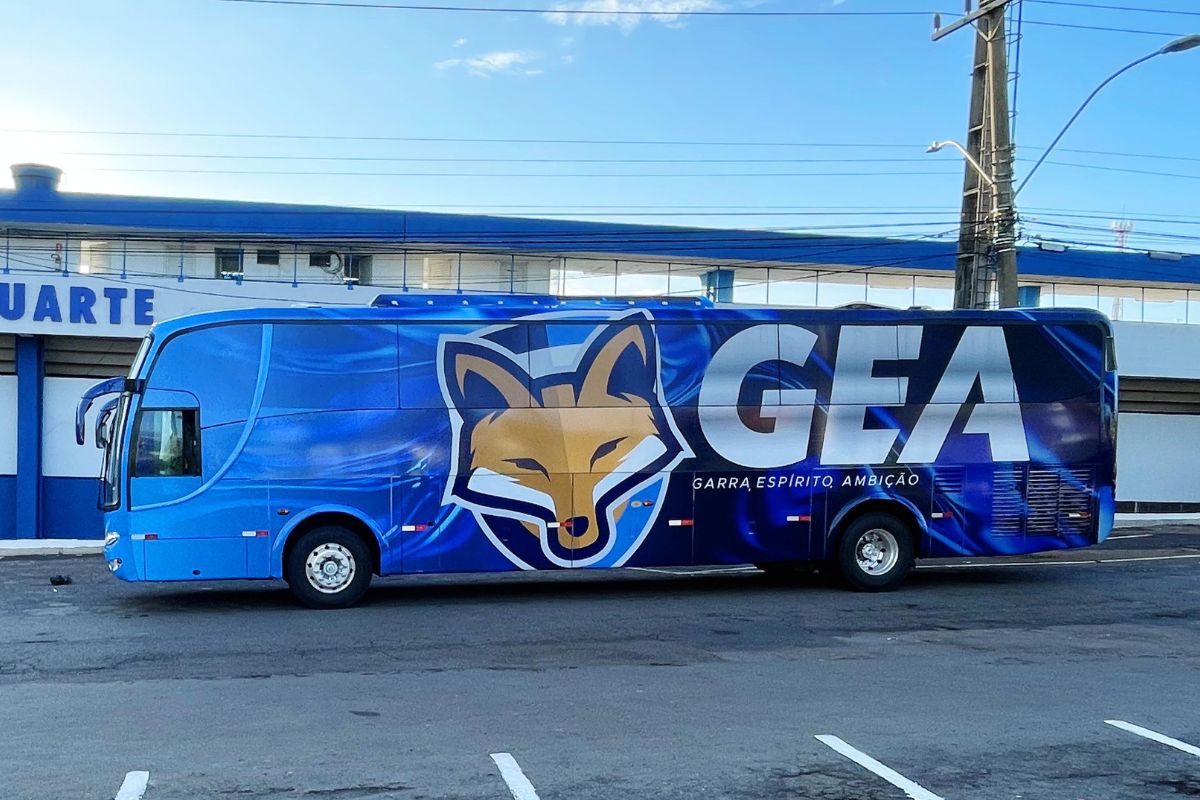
(167, 443)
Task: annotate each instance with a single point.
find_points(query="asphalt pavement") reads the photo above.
(1074, 675)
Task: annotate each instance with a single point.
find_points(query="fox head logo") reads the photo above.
(563, 465)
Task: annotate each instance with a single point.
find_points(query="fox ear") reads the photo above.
(622, 363)
(481, 378)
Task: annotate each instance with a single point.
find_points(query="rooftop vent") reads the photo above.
(35, 178)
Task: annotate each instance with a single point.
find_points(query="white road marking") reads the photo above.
(913, 790)
(1155, 736)
(1145, 558)
(978, 565)
(1129, 536)
(518, 784)
(713, 571)
(134, 786)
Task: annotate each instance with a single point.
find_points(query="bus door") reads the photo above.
(165, 472)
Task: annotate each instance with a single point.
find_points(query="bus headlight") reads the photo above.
(114, 565)
(111, 538)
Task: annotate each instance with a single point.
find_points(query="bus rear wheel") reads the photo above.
(875, 553)
(328, 567)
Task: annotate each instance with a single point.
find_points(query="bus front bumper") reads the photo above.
(124, 555)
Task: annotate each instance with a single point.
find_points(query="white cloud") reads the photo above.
(604, 12)
(499, 62)
(459, 42)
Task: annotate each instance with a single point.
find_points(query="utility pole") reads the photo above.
(987, 255)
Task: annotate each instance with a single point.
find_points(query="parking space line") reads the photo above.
(511, 772)
(134, 786)
(710, 571)
(1091, 561)
(978, 565)
(913, 790)
(1191, 749)
(1146, 558)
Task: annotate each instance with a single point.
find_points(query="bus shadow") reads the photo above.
(558, 587)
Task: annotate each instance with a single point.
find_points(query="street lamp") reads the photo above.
(1177, 46)
(1003, 198)
(936, 146)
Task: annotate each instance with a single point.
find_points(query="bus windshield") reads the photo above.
(110, 471)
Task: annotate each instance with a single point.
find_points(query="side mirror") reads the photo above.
(110, 386)
(103, 426)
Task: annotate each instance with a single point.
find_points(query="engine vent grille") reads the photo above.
(1008, 502)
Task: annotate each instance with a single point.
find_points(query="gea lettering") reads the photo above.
(981, 355)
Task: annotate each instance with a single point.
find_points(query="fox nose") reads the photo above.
(577, 525)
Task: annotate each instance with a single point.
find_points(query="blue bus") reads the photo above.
(435, 434)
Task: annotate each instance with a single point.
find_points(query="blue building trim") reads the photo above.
(43, 208)
(28, 495)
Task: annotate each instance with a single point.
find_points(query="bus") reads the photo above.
(453, 433)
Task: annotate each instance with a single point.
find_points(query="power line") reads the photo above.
(319, 173)
(460, 140)
(1141, 9)
(550, 160)
(572, 11)
(774, 174)
(459, 160)
(1077, 26)
(446, 139)
(1106, 168)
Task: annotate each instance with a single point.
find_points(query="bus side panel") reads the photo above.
(429, 537)
(754, 517)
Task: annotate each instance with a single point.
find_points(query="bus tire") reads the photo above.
(875, 553)
(328, 567)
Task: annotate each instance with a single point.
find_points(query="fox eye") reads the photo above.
(531, 464)
(606, 448)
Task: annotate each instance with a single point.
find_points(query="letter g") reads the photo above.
(791, 409)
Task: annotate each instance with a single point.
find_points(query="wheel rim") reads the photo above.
(330, 568)
(877, 551)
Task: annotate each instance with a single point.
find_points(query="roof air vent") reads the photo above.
(35, 178)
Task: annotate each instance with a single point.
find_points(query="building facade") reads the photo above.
(83, 277)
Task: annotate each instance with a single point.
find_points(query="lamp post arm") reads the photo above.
(1079, 111)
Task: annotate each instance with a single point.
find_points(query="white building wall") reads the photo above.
(1158, 455)
(1158, 458)
(8, 424)
(1158, 350)
(61, 457)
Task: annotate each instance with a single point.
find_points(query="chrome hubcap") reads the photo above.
(877, 551)
(329, 568)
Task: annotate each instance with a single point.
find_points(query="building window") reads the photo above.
(268, 258)
(357, 269)
(320, 260)
(229, 262)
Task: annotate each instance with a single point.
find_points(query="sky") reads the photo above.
(808, 123)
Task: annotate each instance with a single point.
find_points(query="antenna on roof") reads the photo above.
(1122, 228)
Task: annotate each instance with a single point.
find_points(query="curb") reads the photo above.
(50, 547)
(1153, 520)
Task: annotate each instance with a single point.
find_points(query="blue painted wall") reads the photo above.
(27, 515)
(8, 504)
(69, 509)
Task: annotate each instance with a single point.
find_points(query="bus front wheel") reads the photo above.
(328, 567)
(875, 553)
